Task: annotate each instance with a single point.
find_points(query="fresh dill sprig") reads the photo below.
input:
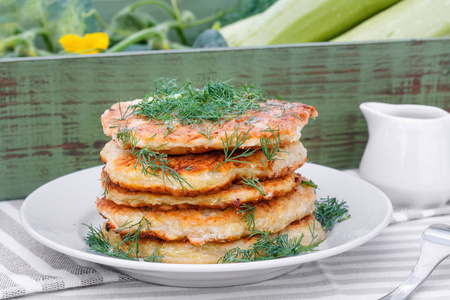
(270, 148)
(128, 136)
(330, 211)
(237, 139)
(254, 182)
(267, 247)
(99, 242)
(207, 133)
(156, 256)
(217, 101)
(251, 120)
(249, 215)
(105, 182)
(169, 128)
(308, 183)
(298, 117)
(283, 246)
(124, 114)
(132, 236)
(151, 161)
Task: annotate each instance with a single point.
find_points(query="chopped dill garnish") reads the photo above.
(156, 256)
(298, 117)
(330, 211)
(249, 215)
(105, 182)
(267, 247)
(237, 139)
(254, 182)
(308, 183)
(217, 101)
(251, 120)
(128, 136)
(270, 148)
(99, 242)
(124, 114)
(207, 133)
(279, 96)
(170, 127)
(151, 161)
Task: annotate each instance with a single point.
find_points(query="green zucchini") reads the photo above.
(297, 21)
(236, 33)
(405, 20)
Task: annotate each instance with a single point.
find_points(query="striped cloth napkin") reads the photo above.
(403, 215)
(27, 266)
(367, 272)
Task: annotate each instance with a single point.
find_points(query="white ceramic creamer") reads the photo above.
(408, 153)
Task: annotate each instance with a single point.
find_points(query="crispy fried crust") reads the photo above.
(237, 194)
(199, 170)
(204, 225)
(289, 117)
(187, 253)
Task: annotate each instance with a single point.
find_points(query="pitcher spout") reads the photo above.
(375, 113)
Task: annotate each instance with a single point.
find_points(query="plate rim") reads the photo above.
(207, 268)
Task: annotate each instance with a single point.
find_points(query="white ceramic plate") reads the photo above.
(55, 212)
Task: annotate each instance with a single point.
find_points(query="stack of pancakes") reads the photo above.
(198, 218)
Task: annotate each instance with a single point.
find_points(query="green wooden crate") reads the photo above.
(50, 107)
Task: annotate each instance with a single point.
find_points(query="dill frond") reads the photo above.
(151, 161)
(249, 215)
(100, 243)
(217, 101)
(270, 148)
(105, 182)
(267, 247)
(237, 139)
(308, 183)
(330, 211)
(254, 182)
(207, 133)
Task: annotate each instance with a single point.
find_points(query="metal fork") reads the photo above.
(434, 248)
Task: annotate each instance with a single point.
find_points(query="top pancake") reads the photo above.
(289, 118)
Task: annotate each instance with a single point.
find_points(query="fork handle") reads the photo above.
(431, 255)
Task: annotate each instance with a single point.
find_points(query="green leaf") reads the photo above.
(210, 38)
(129, 21)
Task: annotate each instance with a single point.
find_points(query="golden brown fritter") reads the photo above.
(235, 195)
(204, 225)
(187, 253)
(199, 170)
(289, 117)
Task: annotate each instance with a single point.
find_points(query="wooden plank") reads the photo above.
(50, 107)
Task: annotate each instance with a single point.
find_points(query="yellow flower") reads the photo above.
(89, 44)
